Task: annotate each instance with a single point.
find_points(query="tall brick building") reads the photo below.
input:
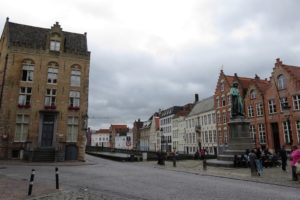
(271, 106)
(44, 79)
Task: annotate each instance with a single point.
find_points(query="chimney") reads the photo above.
(196, 98)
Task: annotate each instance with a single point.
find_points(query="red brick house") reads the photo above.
(271, 106)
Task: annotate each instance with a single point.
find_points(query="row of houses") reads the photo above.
(272, 107)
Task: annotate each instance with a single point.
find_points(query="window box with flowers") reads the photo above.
(24, 106)
(52, 107)
(75, 108)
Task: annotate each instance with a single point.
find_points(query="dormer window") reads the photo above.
(54, 45)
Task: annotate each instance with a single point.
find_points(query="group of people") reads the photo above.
(258, 159)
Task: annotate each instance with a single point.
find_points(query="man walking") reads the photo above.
(283, 156)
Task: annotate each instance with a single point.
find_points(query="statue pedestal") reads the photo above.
(240, 140)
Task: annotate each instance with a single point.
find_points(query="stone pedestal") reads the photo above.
(240, 140)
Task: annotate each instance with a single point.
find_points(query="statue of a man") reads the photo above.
(236, 101)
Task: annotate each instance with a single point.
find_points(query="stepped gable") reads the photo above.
(34, 37)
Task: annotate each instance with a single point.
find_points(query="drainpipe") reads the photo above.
(3, 79)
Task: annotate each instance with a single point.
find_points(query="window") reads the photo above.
(24, 96)
(225, 137)
(250, 111)
(259, 109)
(21, 133)
(54, 45)
(27, 72)
(298, 130)
(222, 86)
(50, 98)
(213, 116)
(223, 101)
(284, 103)
(75, 78)
(209, 118)
(206, 136)
(287, 132)
(210, 136)
(214, 136)
(224, 118)
(252, 94)
(272, 106)
(229, 99)
(252, 132)
(52, 75)
(262, 133)
(218, 102)
(74, 99)
(281, 82)
(296, 99)
(72, 129)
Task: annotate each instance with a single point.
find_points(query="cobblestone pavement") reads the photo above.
(44, 191)
(273, 175)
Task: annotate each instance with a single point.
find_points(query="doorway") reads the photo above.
(47, 130)
(276, 140)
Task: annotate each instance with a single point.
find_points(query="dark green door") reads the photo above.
(47, 130)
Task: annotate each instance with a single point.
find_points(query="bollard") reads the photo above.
(31, 182)
(174, 161)
(204, 164)
(56, 178)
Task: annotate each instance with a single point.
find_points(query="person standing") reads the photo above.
(252, 158)
(293, 163)
(258, 162)
(283, 157)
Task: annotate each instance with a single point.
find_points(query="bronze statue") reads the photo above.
(236, 101)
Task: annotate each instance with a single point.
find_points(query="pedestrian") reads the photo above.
(252, 164)
(283, 157)
(295, 157)
(258, 162)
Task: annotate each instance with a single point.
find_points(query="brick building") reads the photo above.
(271, 106)
(117, 129)
(44, 78)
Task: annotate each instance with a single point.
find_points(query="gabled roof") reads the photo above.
(34, 37)
(202, 106)
(103, 131)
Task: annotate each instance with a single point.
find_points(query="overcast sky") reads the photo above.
(151, 54)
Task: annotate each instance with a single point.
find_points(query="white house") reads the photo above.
(124, 140)
(100, 138)
(201, 127)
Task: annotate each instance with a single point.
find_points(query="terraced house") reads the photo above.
(44, 79)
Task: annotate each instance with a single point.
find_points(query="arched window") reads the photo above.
(253, 94)
(75, 76)
(27, 70)
(281, 82)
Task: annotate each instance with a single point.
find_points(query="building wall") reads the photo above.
(10, 95)
(100, 139)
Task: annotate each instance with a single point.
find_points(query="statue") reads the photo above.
(236, 101)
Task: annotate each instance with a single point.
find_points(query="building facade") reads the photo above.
(271, 106)
(100, 138)
(44, 92)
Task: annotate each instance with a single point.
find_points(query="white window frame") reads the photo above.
(50, 98)
(27, 72)
(250, 111)
(298, 130)
(54, 45)
(259, 109)
(296, 101)
(272, 106)
(252, 131)
(262, 133)
(281, 82)
(25, 96)
(75, 78)
(287, 132)
(52, 75)
(73, 129)
(22, 125)
(74, 99)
